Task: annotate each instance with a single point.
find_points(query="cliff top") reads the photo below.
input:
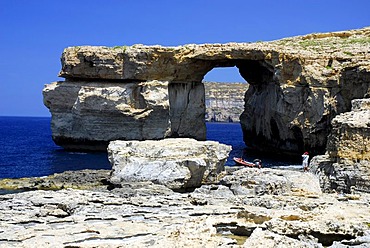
(191, 62)
(345, 43)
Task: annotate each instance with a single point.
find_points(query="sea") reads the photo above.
(27, 149)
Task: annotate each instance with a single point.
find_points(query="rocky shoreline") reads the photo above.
(299, 98)
(167, 190)
(247, 207)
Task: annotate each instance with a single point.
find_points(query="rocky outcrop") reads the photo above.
(224, 101)
(346, 166)
(179, 164)
(350, 135)
(273, 182)
(87, 115)
(83, 179)
(290, 103)
(297, 86)
(143, 214)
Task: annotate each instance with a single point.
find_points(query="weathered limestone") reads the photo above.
(138, 63)
(187, 108)
(346, 166)
(82, 179)
(297, 86)
(350, 135)
(86, 112)
(87, 115)
(249, 181)
(178, 164)
(143, 214)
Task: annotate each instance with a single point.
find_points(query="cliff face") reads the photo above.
(224, 101)
(297, 86)
(346, 165)
(86, 115)
(291, 102)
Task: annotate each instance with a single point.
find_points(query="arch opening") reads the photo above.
(224, 102)
(258, 105)
(224, 94)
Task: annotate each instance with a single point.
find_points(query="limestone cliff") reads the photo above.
(86, 115)
(224, 101)
(297, 86)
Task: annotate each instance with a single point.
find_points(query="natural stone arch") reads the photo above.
(297, 86)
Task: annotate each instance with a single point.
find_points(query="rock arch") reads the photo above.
(297, 86)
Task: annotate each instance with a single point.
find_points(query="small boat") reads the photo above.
(242, 162)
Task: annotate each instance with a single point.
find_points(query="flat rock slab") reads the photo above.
(176, 163)
(81, 179)
(144, 214)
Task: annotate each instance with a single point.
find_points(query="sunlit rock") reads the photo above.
(296, 86)
(175, 163)
(346, 166)
(87, 115)
(253, 181)
(144, 214)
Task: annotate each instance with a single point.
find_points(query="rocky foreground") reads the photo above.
(308, 93)
(247, 208)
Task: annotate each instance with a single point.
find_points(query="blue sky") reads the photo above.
(34, 33)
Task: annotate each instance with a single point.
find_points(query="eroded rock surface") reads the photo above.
(297, 86)
(249, 181)
(82, 179)
(143, 214)
(346, 166)
(87, 115)
(176, 163)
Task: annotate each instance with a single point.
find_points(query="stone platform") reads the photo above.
(290, 211)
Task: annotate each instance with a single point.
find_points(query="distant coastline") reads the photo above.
(224, 101)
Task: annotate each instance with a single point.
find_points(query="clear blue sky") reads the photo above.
(34, 33)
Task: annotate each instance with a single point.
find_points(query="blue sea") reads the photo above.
(27, 149)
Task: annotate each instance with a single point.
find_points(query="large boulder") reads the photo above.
(176, 163)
